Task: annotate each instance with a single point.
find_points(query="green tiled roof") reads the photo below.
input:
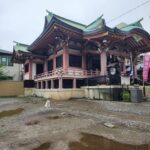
(97, 24)
(129, 28)
(21, 47)
(5, 52)
(132, 26)
(67, 21)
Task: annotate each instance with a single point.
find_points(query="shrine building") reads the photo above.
(68, 54)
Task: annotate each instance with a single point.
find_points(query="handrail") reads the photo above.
(69, 72)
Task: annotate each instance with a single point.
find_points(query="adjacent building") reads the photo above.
(13, 71)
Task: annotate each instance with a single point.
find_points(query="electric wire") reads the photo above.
(129, 11)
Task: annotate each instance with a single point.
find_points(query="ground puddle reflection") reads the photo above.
(95, 142)
(9, 113)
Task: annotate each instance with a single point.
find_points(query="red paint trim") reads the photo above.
(65, 58)
(30, 70)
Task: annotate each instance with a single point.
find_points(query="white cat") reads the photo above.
(47, 104)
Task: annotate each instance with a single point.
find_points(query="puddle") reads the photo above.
(34, 122)
(95, 142)
(60, 116)
(43, 146)
(53, 117)
(9, 113)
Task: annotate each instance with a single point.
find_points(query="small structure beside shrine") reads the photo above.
(12, 71)
(68, 55)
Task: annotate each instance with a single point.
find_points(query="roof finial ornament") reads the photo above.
(16, 42)
(48, 12)
(141, 19)
(101, 15)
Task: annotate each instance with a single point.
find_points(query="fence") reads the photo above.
(11, 88)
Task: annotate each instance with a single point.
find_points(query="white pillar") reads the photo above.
(74, 83)
(103, 62)
(41, 84)
(46, 84)
(52, 84)
(60, 83)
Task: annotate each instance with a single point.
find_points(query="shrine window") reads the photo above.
(4, 61)
(9, 62)
(26, 68)
(75, 61)
(50, 65)
(39, 68)
(59, 61)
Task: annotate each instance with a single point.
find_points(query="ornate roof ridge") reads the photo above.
(20, 47)
(66, 19)
(21, 43)
(136, 24)
(95, 20)
(97, 24)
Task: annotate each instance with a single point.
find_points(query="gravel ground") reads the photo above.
(73, 124)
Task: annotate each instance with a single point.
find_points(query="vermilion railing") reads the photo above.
(69, 72)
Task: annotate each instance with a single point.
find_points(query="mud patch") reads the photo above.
(33, 122)
(43, 146)
(9, 113)
(95, 142)
(60, 116)
(53, 117)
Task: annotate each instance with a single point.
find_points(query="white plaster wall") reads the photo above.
(33, 70)
(14, 71)
(26, 76)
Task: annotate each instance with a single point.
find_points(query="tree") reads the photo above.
(3, 76)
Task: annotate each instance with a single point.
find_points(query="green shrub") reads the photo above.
(126, 96)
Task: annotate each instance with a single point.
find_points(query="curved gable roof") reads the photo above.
(67, 21)
(129, 27)
(97, 24)
(21, 47)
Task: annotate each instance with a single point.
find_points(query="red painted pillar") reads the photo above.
(84, 60)
(30, 70)
(103, 61)
(45, 66)
(65, 58)
(54, 60)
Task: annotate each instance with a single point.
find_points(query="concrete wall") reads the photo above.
(102, 92)
(92, 92)
(105, 92)
(56, 94)
(11, 88)
(14, 71)
(147, 90)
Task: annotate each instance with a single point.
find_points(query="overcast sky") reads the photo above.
(23, 20)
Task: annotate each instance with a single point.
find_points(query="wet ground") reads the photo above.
(25, 124)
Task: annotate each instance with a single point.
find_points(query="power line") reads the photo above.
(129, 11)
